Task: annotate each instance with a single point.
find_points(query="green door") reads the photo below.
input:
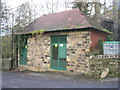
(58, 52)
(23, 53)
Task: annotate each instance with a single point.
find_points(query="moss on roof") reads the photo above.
(105, 30)
(66, 20)
(39, 31)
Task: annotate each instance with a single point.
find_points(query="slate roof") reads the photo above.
(71, 19)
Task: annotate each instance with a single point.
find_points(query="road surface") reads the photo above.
(52, 80)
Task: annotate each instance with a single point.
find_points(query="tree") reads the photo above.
(0, 10)
(107, 10)
(23, 16)
(5, 28)
(6, 46)
(83, 6)
(93, 8)
(96, 10)
(0, 33)
(50, 6)
(5, 18)
(88, 8)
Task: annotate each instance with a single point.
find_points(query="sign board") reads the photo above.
(61, 45)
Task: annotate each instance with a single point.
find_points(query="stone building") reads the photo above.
(59, 41)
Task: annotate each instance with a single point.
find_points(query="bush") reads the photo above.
(6, 46)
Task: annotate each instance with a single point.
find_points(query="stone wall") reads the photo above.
(39, 52)
(98, 65)
(78, 47)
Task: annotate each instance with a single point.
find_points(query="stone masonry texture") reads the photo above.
(78, 48)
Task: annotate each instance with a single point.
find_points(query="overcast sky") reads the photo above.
(15, 3)
(61, 6)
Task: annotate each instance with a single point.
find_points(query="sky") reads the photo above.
(15, 3)
(42, 6)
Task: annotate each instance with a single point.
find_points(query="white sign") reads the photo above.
(61, 45)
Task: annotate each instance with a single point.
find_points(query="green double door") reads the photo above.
(23, 53)
(58, 52)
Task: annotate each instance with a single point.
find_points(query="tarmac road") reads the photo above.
(52, 80)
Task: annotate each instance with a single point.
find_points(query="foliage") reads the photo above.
(100, 46)
(66, 28)
(105, 30)
(83, 6)
(6, 46)
(98, 65)
(23, 16)
(99, 11)
(100, 43)
(0, 9)
(5, 18)
(95, 52)
(89, 8)
(109, 38)
(22, 39)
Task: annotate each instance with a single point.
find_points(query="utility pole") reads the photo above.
(116, 20)
(12, 62)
